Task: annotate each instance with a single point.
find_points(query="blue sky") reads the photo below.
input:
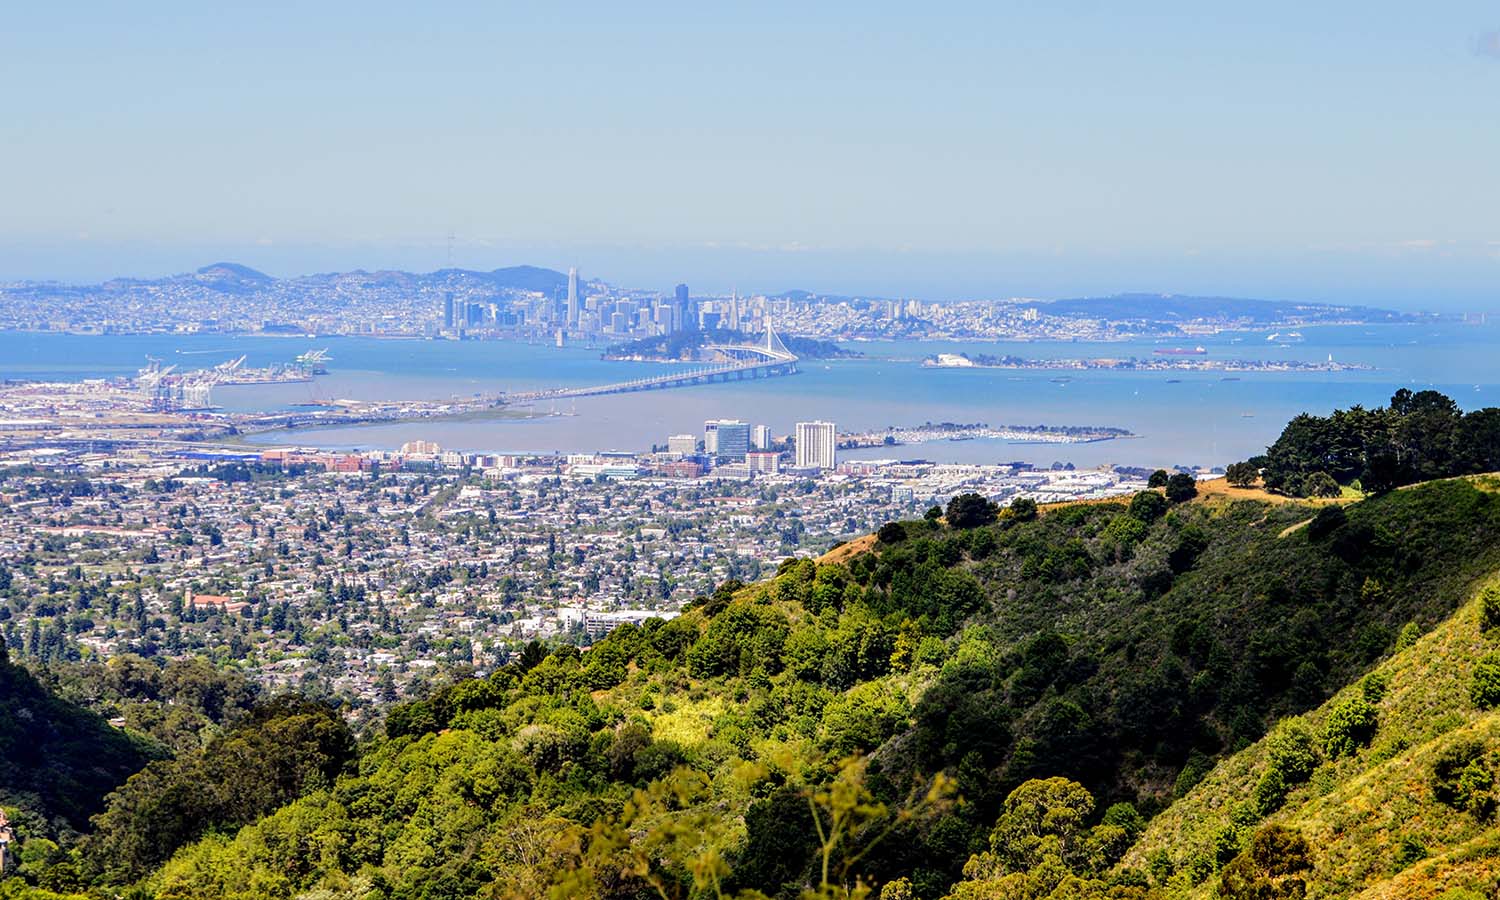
(1331, 151)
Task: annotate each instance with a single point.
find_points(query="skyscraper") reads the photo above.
(727, 438)
(447, 309)
(760, 437)
(817, 445)
(687, 311)
(573, 296)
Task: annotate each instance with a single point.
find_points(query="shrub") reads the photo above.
(1181, 488)
(1484, 690)
(1463, 777)
(1489, 607)
(1023, 509)
(1270, 868)
(891, 533)
(1126, 817)
(1148, 506)
(1408, 852)
(1241, 474)
(1292, 750)
(971, 511)
(1350, 726)
(1158, 479)
(1270, 792)
(1291, 757)
(863, 718)
(1410, 633)
(1320, 484)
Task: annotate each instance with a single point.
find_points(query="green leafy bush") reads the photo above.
(1484, 689)
(1350, 725)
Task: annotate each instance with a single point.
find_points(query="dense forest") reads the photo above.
(1168, 696)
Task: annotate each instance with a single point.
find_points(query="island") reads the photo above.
(958, 431)
(1185, 361)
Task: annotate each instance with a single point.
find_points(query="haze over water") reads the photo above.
(1202, 420)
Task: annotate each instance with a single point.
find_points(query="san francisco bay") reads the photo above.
(1188, 417)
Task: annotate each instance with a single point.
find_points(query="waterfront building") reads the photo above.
(817, 445)
(420, 448)
(760, 437)
(448, 309)
(684, 444)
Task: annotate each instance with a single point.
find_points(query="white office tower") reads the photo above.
(573, 296)
(684, 444)
(817, 445)
(760, 437)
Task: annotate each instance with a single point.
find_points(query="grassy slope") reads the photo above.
(1357, 811)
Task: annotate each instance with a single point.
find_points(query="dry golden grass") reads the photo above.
(1219, 488)
(847, 551)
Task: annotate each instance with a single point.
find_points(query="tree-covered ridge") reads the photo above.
(987, 703)
(57, 758)
(1418, 437)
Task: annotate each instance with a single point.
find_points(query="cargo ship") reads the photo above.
(1180, 351)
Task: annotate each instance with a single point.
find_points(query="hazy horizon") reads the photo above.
(879, 279)
(1338, 154)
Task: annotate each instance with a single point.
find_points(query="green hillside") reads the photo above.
(57, 759)
(1071, 703)
(1385, 820)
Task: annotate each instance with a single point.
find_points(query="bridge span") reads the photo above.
(766, 360)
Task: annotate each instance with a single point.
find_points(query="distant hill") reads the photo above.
(1168, 307)
(528, 278)
(235, 270)
(232, 277)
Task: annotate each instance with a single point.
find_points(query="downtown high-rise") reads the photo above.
(817, 445)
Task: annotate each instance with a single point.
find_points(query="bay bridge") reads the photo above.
(741, 361)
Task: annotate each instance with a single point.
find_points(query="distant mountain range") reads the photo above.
(1169, 308)
(1174, 307)
(233, 278)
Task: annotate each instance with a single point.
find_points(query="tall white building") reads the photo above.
(817, 445)
(760, 437)
(572, 296)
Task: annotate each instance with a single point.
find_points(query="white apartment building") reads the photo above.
(817, 445)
